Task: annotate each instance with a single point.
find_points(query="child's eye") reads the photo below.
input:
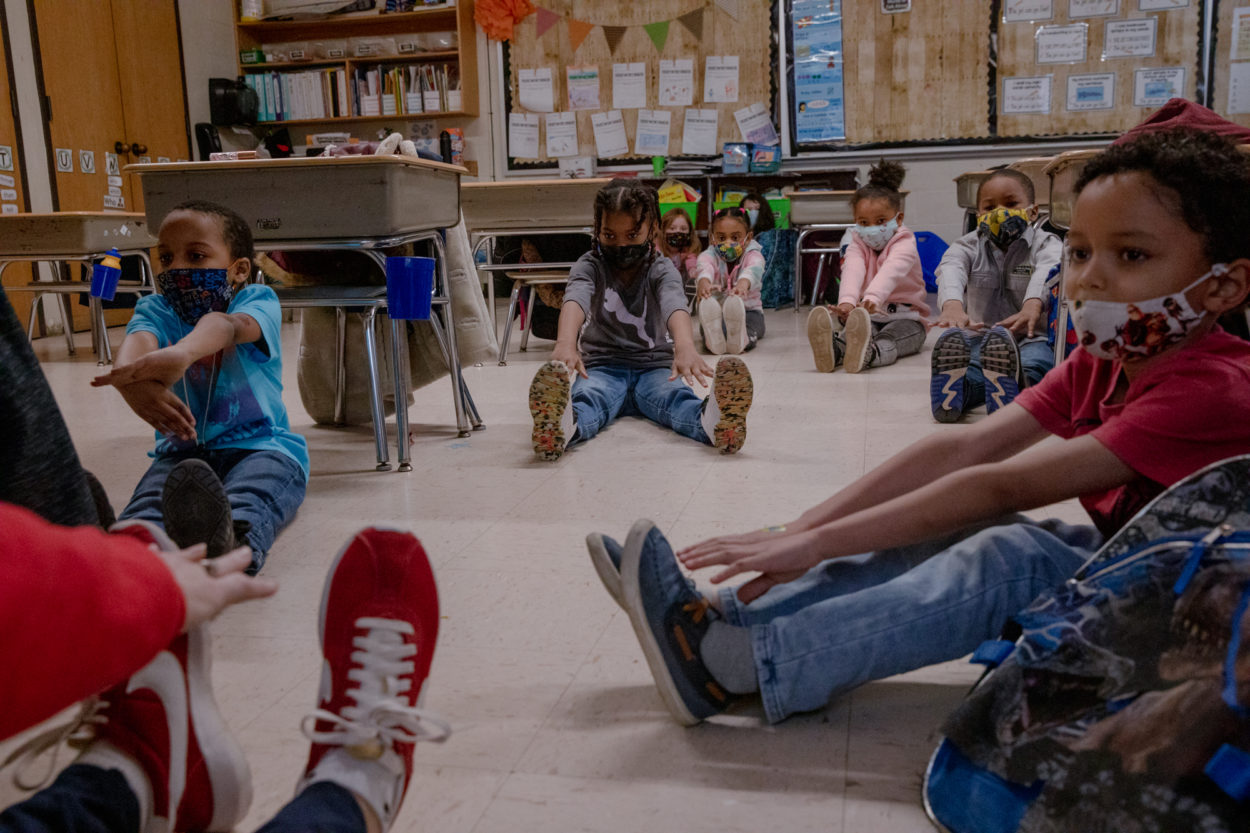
(1076, 255)
(1133, 255)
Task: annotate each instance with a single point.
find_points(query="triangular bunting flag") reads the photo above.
(613, 35)
(693, 21)
(546, 19)
(658, 33)
(729, 7)
(578, 30)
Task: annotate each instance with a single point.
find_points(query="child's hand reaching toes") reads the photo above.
(689, 365)
(159, 407)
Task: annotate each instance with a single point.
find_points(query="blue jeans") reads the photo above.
(1037, 356)
(851, 620)
(265, 488)
(88, 799)
(613, 391)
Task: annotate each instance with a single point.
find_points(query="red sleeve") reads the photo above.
(80, 610)
(1182, 417)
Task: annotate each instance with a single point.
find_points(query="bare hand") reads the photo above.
(778, 558)
(689, 365)
(207, 594)
(843, 310)
(166, 366)
(742, 288)
(870, 305)
(703, 288)
(1028, 320)
(157, 405)
(571, 357)
(953, 315)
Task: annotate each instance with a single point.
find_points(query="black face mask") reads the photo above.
(678, 241)
(624, 257)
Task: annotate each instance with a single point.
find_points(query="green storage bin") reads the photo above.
(781, 210)
(691, 208)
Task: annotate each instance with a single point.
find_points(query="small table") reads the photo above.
(355, 203)
(76, 237)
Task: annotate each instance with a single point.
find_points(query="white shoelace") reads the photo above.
(76, 732)
(382, 663)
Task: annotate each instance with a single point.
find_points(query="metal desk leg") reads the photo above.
(474, 417)
(529, 319)
(798, 268)
(99, 333)
(399, 360)
(369, 316)
(1061, 330)
(340, 369)
(453, 364)
(507, 323)
(67, 320)
(820, 270)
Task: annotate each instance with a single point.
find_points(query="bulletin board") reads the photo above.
(575, 35)
(1067, 67)
(1230, 92)
(916, 75)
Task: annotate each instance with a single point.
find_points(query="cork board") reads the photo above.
(917, 75)
(1081, 66)
(744, 33)
(1232, 53)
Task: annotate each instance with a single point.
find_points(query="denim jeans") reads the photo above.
(88, 799)
(265, 488)
(623, 391)
(1037, 357)
(851, 620)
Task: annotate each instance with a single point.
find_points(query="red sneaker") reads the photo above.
(379, 623)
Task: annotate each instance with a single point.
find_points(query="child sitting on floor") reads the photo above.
(202, 364)
(623, 326)
(882, 308)
(678, 242)
(993, 277)
(728, 277)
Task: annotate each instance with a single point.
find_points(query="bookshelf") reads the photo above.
(365, 67)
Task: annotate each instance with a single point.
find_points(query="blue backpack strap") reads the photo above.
(1229, 768)
(992, 652)
(1230, 658)
(1196, 555)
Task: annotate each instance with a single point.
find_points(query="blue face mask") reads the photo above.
(875, 237)
(194, 293)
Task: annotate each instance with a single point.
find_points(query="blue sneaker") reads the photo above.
(951, 354)
(670, 619)
(1000, 364)
(605, 554)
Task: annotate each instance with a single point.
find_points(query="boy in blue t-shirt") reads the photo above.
(202, 364)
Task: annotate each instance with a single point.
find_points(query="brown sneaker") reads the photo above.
(551, 408)
(725, 409)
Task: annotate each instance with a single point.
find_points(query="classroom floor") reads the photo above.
(556, 723)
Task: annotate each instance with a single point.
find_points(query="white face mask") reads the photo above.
(877, 236)
(1137, 330)
(753, 214)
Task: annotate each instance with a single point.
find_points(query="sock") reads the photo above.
(568, 422)
(726, 652)
(378, 783)
(103, 755)
(710, 415)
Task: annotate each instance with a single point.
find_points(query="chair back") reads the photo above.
(931, 248)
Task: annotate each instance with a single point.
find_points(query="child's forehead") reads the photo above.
(185, 225)
(1001, 187)
(873, 205)
(730, 223)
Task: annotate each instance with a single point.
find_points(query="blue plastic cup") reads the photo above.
(409, 287)
(104, 276)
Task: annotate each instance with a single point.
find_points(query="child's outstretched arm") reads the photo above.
(952, 281)
(687, 363)
(953, 502)
(572, 316)
(151, 400)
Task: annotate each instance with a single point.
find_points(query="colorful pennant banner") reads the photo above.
(657, 31)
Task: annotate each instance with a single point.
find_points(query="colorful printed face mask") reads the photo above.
(1004, 225)
(194, 293)
(624, 257)
(877, 236)
(1128, 332)
(730, 251)
(677, 240)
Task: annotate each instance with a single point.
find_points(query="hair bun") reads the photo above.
(887, 175)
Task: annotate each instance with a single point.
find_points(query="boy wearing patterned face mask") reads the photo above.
(881, 295)
(202, 364)
(728, 277)
(992, 292)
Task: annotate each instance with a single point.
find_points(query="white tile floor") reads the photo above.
(557, 725)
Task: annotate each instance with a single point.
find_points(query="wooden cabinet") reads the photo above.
(329, 84)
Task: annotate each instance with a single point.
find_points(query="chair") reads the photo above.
(931, 248)
(520, 279)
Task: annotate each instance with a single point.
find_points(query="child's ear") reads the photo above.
(240, 271)
(1033, 213)
(899, 219)
(1230, 289)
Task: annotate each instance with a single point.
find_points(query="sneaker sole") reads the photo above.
(608, 572)
(631, 558)
(734, 313)
(710, 322)
(549, 397)
(858, 334)
(949, 363)
(194, 485)
(820, 337)
(733, 389)
(1000, 364)
(227, 767)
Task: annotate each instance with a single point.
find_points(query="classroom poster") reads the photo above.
(756, 125)
(1239, 88)
(523, 135)
(561, 134)
(677, 82)
(651, 135)
(1153, 87)
(720, 79)
(629, 86)
(1026, 95)
(1016, 11)
(698, 137)
(819, 107)
(1095, 91)
(609, 130)
(534, 88)
(583, 88)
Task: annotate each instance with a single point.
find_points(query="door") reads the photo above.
(12, 194)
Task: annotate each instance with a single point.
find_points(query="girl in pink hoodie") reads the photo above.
(882, 310)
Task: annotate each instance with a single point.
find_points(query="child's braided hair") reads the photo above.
(630, 196)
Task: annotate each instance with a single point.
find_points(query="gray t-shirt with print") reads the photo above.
(626, 325)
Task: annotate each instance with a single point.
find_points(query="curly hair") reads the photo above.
(884, 179)
(234, 229)
(629, 196)
(1202, 177)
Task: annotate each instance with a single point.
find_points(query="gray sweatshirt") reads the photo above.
(994, 284)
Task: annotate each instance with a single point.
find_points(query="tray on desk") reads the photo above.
(72, 233)
(1063, 171)
(342, 198)
(530, 204)
(808, 207)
